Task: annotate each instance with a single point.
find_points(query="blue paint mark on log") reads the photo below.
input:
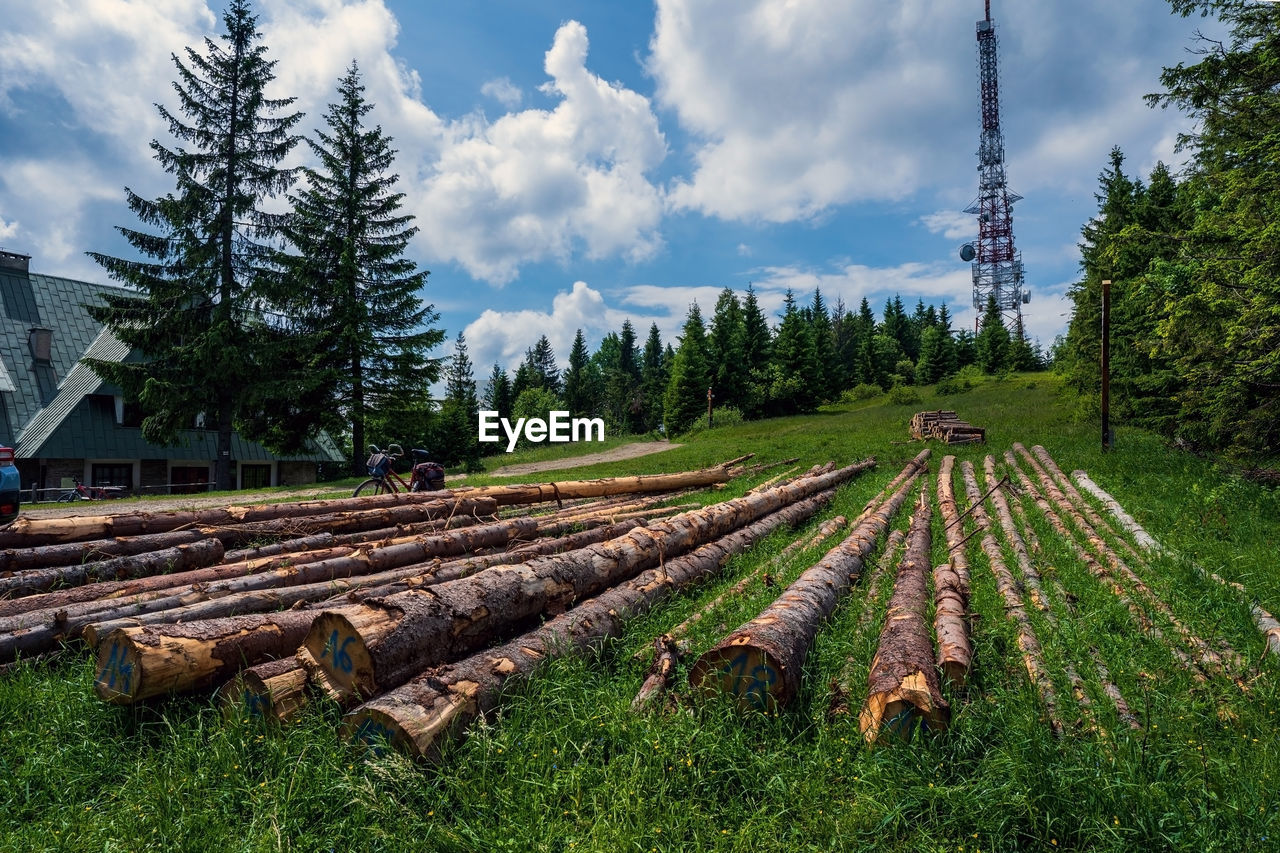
(117, 671)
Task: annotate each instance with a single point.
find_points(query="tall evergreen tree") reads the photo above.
(457, 437)
(686, 394)
(824, 346)
(992, 344)
(579, 395)
(795, 362)
(543, 360)
(353, 297)
(198, 312)
(497, 392)
(727, 345)
(653, 380)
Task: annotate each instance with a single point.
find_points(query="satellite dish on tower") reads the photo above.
(967, 252)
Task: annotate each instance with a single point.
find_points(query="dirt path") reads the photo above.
(624, 451)
(184, 502)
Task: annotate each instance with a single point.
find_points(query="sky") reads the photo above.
(575, 164)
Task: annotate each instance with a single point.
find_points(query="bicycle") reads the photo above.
(427, 476)
(81, 492)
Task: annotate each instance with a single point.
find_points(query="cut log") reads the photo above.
(1028, 643)
(138, 663)
(828, 529)
(275, 690)
(951, 587)
(759, 664)
(1022, 556)
(443, 701)
(75, 553)
(28, 532)
(382, 643)
(1123, 711)
(641, 484)
(903, 690)
(888, 559)
(179, 558)
(666, 655)
(1144, 539)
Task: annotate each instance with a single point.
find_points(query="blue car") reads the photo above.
(9, 483)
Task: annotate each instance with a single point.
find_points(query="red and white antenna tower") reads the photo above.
(997, 266)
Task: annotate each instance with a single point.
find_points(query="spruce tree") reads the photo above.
(727, 345)
(577, 391)
(992, 345)
(198, 311)
(353, 296)
(459, 412)
(795, 362)
(497, 393)
(824, 347)
(543, 360)
(686, 394)
(653, 380)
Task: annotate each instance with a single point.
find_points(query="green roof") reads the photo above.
(64, 409)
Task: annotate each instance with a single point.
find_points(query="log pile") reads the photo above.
(945, 426)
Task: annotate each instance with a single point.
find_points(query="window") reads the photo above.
(188, 479)
(112, 474)
(255, 476)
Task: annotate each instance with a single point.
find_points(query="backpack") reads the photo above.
(379, 465)
(427, 477)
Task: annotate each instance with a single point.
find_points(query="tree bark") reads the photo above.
(138, 663)
(442, 701)
(72, 554)
(382, 643)
(666, 655)
(759, 664)
(888, 557)
(903, 690)
(192, 555)
(1140, 535)
(951, 586)
(275, 690)
(1028, 643)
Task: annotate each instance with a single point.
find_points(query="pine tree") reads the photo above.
(653, 380)
(824, 346)
(727, 345)
(543, 360)
(578, 394)
(459, 412)
(354, 298)
(992, 344)
(686, 394)
(795, 362)
(497, 393)
(198, 312)
(758, 352)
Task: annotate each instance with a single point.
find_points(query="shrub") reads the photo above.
(953, 385)
(904, 395)
(864, 391)
(906, 370)
(970, 373)
(721, 417)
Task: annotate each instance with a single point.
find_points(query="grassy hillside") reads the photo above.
(566, 766)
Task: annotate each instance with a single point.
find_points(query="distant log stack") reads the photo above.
(945, 427)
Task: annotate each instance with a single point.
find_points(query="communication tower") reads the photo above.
(997, 266)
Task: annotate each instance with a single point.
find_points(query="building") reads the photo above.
(65, 422)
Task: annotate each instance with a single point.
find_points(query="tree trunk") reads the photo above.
(1028, 643)
(382, 643)
(888, 558)
(1030, 576)
(137, 663)
(193, 555)
(903, 691)
(442, 701)
(759, 664)
(527, 493)
(951, 586)
(1144, 539)
(27, 532)
(73, 554)
(275, 690)
(666, 655)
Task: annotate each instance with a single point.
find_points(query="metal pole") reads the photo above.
(1106, 364)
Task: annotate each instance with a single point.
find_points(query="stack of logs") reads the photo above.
(945, 427)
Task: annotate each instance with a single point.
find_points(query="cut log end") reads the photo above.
(903, 711)
(414, 729)
(748, 674)
(274, 691)
(337, 647)
(119, 669)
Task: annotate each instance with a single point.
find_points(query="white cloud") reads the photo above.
(951, 224)
(542, 185)
(8, 230)
(503, 336)
(503, 91)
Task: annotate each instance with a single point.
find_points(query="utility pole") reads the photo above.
(709, 424)
(1106, 364)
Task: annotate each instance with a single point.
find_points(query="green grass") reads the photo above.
(566, 766)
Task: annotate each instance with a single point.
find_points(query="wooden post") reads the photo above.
(1106, 364)
(709, 398)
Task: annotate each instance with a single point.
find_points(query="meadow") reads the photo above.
(567, 766)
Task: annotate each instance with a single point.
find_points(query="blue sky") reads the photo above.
(575, 164)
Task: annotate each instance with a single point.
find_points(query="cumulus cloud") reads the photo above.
(951, 224)
(503, 91)
(502, 337)
(541, 185)
(801, 106)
